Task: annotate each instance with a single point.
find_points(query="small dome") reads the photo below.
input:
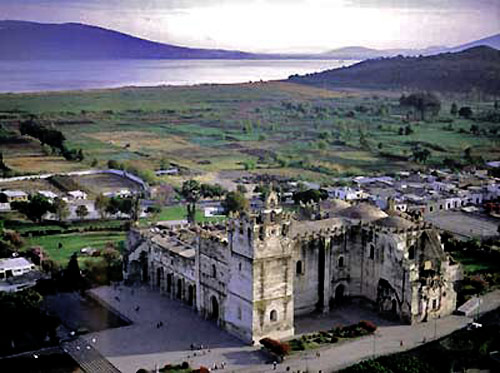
(334, 205)
(394, 222)
(363, 211)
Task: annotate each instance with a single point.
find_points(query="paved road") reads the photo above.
(143, 345)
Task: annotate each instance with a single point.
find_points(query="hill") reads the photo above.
(20, 40)
(362, 53)
(475, 68)
(492, 41)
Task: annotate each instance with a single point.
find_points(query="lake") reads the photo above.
(33, 76)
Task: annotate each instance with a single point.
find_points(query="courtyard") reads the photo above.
(145, 344)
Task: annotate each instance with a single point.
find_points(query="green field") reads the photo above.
(283, 128)
(73, 243)
(179, 213)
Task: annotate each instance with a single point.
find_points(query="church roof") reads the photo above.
(394, 222)
(363, 211)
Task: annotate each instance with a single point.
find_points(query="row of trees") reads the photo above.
(51, 137)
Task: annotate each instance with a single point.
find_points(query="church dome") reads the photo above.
(334, 205)
(363, 211)
(394, 222)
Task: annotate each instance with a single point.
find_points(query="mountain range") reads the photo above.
(476, 68)
(22, 40)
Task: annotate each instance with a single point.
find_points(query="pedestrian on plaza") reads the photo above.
(137, 308)
(318, 355)
(401, 343)
(274, 365)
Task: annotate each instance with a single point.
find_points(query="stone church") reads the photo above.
(255, 273)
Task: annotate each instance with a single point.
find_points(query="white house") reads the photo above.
(48, 194)
(345, 193)
(77, 194)
(12, 267)
(15, 195)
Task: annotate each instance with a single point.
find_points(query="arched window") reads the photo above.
(411, 253)
(239, 266)
(298, 268)
(273, 216)
(341, 262)
(372, 252)
(273, 315)
(249, 233)
(214, 271)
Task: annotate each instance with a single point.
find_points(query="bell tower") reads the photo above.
(261, 282)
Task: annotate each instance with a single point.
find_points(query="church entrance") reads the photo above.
(191, 295)
(214, 309)
(339, 293)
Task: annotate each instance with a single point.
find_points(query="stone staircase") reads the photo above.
(89, 359)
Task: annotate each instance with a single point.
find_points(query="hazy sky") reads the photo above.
(280, 25)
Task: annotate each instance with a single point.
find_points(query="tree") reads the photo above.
(113, 205)
(474, 129)
(191, 191)
(421, 155)
(61, 209)
(114, 165)
(241, 188)
(263, 189)
(424, 102)
(235, 201)
(82, 211)
(35, 208)
(408, 130)
(465, 112)
(454, 109)
(73, 274)
(100, 204)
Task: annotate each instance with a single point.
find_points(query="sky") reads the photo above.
(277, 25)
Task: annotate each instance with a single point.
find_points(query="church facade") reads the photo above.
(258, 271)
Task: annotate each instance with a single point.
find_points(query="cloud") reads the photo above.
(257, 25)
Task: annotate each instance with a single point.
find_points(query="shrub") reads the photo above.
(276, 347)
(367, 325)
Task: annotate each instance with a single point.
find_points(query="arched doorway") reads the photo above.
(169, 283)
(214, 308)
(339, 293)
(191, 295)
(143, 258)
(159, 276)
(394, 307)
(179, 289)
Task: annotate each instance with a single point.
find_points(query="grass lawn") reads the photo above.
(179, 213)
(73, 242)
(473, 263)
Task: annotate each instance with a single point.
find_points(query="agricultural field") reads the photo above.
(275, 127)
